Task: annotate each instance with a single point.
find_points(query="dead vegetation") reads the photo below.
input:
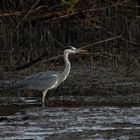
(33, 33)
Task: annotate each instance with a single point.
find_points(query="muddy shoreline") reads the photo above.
(89, 87)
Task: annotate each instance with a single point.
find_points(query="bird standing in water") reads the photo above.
(45, 81)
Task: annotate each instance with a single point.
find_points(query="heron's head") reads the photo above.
(73, 50)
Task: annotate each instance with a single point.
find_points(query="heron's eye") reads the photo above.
(72, 48)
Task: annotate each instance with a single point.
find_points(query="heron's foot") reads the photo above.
(43, 104)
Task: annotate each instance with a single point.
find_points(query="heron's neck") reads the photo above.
(66, 71)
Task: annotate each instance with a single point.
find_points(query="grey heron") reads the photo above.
(44, 81)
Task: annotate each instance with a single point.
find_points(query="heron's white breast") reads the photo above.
(55, 84)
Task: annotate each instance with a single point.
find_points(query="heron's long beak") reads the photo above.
(83, 51)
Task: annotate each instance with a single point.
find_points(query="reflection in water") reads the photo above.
(30, 121)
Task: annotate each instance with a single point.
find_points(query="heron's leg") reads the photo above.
(43, 97)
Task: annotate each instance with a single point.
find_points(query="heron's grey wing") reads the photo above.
(40, 81)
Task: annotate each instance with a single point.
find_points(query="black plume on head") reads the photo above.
(70, 47)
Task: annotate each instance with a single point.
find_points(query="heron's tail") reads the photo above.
(17, 85)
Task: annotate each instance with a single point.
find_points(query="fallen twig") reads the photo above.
(102, 41)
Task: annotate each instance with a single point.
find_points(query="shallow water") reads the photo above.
(25, 118)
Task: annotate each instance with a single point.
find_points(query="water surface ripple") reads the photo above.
(84, 123)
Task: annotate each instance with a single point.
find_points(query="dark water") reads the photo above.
(25, 118)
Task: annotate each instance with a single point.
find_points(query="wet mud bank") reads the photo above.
(84, 87)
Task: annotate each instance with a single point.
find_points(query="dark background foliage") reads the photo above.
(32, 32)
